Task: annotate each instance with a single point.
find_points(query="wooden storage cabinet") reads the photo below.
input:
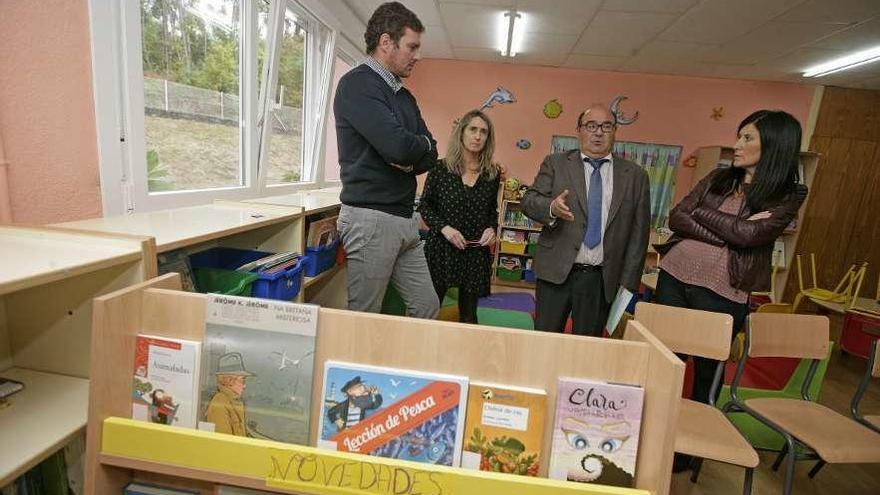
(120, 450)
(48, 278)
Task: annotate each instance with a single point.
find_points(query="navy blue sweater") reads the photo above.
(376, 127)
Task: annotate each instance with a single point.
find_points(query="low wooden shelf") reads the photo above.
(40, 419)
(118, 450)
(48, 277)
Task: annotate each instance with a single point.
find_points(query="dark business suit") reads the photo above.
(624, 241)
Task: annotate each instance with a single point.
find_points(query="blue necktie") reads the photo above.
(593, 236)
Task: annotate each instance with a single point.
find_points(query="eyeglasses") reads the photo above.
(593, 126)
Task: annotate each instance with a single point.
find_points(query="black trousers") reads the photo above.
(467, 303)
(673, 292)
(582, 294)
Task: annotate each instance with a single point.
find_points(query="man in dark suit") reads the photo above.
(596, 212)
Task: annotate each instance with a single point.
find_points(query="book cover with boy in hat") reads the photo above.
(388, 412)
(257, 368)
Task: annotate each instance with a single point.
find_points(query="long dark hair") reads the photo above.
(776, 173)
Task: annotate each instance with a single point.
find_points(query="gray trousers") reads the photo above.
(379, 248)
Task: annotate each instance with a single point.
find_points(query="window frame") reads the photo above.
(118, 82)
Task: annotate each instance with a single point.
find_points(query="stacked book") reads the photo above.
(272, 264)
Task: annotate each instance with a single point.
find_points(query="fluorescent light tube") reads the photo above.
(510, 33)
(844, 63)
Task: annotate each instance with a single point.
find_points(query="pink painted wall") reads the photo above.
(672, 109)
(47, 119)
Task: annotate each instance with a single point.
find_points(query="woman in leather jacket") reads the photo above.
(725, 228)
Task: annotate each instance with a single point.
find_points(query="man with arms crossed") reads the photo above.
(383, 144)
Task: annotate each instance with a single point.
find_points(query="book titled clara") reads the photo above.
(166, 380)
(504, 429)
(387, 412)
(596, 432)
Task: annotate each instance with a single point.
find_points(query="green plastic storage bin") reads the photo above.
(505, 274)
(228, 282)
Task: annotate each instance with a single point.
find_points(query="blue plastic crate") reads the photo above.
(283, 286)
(320, 259)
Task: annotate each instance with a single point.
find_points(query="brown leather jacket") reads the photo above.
(750, 242)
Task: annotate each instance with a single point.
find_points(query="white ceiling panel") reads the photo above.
(659, 49)
(669, 6)
(545, 49)
(862, 36)
(621, 33)
(593, 62)
(435, 44)
(426, 10)
(480, 55)
(769, 41)
(739, 39)
(833, 11)
(794, 63)
(566, 17)
(470, 26)
(719, 21)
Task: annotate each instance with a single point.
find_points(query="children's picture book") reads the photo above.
(165, 388)
(513, 235)
(596, 432)
(235, 490)
(177, 261)
(510, 262)
(257, 368)
(145, 489)
(779, 253)
(621, 301)
(386, 412)
(322, 232)
(504, 429)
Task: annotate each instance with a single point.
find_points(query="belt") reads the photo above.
(580, 267)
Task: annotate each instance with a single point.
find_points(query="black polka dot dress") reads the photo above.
(446, 200)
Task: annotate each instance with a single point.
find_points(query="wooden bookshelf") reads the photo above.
(328, 288)
(119, 450)
(708, 159)
(48, 277)
(508, 205)
(40, 419)
(197, 227)
(789, 238)
(259, 227)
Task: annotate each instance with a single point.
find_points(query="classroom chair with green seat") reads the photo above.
(811, 430)
(702, 430)
(763, 378)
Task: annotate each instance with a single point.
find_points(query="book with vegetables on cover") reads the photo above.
(504, 429)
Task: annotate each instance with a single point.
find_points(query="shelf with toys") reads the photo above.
(121, 450)
(517, 240)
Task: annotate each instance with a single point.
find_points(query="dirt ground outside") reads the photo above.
(201, 155)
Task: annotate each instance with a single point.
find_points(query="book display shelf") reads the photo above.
(120, 450)
(48, 278)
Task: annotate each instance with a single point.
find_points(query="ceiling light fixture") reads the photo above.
(844, 63)
(511, 25)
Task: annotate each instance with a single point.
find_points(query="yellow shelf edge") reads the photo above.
(308, 470)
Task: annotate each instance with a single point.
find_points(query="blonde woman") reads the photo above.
(460, 206)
